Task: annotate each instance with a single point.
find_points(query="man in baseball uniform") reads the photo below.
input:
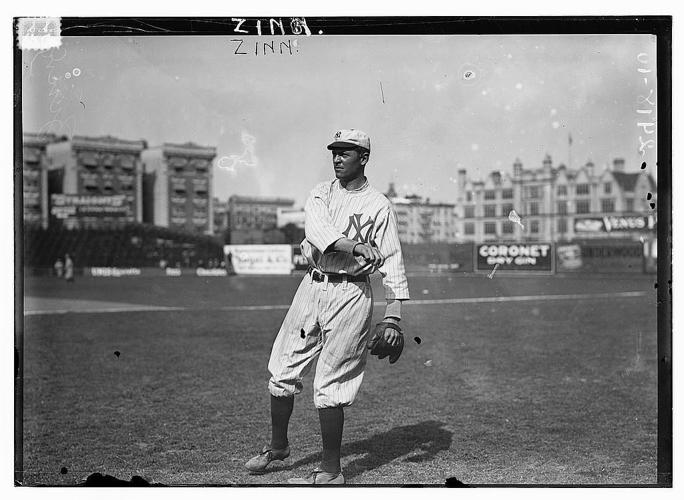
(351, 231)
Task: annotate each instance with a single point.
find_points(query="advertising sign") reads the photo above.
(514, 257)
(614, 223)
(613, 256)
(589, 225)
(114, 272)
(260, 259)
(72, 205)
(569, 257)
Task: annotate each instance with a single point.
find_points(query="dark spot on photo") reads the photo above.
(452, 482)
(652, 205)
(303, 333)
(643, 165)
(649, 196)
(417, 339)
(117, 353)
(63, 470)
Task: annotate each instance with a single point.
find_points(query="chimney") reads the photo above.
(547, 162)
(590, 168)
(517, 168)
(619, 165)
(461, 179)
(496, 177)
(391, 193)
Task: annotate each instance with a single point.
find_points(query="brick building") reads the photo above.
(178, 186)
(95, 181)
(422, 221)
(250, 218)
(35, 178)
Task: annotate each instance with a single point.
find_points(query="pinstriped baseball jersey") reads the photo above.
(332, 321)
(364, 215)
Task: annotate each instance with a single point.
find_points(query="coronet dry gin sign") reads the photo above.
(514, 257)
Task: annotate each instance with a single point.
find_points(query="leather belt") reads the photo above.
(318, 276)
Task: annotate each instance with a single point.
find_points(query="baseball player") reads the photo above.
(351, 231)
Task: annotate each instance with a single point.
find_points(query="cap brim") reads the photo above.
(341, 144)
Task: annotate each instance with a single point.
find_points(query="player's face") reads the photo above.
(348, 163)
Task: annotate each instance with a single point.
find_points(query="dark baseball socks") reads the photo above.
(332, 423)
(281, 409)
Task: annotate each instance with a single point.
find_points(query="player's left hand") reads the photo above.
(391, 336)
(379, 344)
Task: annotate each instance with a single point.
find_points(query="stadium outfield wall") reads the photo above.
(581, 256)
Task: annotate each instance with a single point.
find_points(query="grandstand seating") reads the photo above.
(133, 245)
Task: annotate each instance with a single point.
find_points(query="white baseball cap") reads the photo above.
(350, 137)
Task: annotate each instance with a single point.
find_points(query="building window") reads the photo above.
(506, 209)
(469, 228)
(582, 189)
(562, 208)
(534, 208)
(562, 190)
(582, 206)
(490, 227)
(607, 188)
(532, 192)
(608, 205)
(490, 210)
(562, 226)
(507, 227)
(507, 194)
(107, 161)
(469, 196)
(534, 226)
(630, 204)
(490, 194)
(469, 212)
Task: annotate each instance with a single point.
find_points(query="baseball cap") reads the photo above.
(350, 137)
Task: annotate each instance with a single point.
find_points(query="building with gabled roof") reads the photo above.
(556, 203)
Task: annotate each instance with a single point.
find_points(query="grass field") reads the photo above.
(541, 380)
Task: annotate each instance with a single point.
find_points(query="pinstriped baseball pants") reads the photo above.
(336, 320)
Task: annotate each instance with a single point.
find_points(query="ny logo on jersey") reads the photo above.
(362, 232)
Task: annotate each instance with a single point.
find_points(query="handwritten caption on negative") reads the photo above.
(646, 103)
(39, 33)
(272, 27)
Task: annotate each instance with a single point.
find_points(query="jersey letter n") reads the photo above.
(361, 232)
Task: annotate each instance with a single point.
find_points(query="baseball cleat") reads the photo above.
(267, 455)
(319, 477)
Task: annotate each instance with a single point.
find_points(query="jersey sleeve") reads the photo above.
(318, 225)
(392, 271)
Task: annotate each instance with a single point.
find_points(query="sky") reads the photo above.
(431, 104)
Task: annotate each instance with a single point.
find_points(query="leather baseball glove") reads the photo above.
(380, 347)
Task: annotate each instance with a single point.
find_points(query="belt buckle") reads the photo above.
(317, 275)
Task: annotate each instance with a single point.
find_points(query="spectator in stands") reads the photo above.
(68, 268)
(59, 268)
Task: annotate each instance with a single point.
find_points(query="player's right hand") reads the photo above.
(371, 254)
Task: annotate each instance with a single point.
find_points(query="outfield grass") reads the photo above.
(518, 392)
